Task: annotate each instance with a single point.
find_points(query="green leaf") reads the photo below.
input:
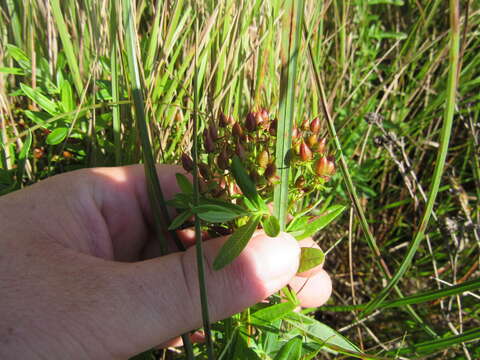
(272, 313)
(66, 94)
(309, 258)
(180, 201)
(180, 219)
(40, 99)
(271, 226)
(184, 184)
(246, 184)
(321, 222)
(12, 71)
(57, 136)
(214, 213)
(292, 350)
(236, 243)
(22, 157)
(229, 205)
(320, 331)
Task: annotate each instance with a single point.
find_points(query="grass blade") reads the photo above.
(351, 188)
(289, 53)
(441, 157)
(67, 45)
(157, 201)
(196, 199)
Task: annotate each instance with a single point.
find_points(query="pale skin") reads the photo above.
(80, 277)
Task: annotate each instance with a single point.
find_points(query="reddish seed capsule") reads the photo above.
(187, 162)
(213, 132)
(222, 120)
(295, 133)
(67, 154)
(300, 182)
(38, 153)
(325, 166)
(270, 172)
(305, 125)
(321, 146)
(305, 152)
(312, 141)
(222, 160)
(264, 114)
(251, 122)
(272, 129)
(204, 170)
(259, 119)
(208, 142)
(240, 151)
(237, 130)
(262, 159)
(315, 125)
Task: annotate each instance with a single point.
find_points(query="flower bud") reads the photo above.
(237, 130)
(187, 162)
(315, 125)
(305, 152)
(251, 122)
(262, 159)
(312, 141)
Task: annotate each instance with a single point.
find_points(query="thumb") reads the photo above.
(164, 295)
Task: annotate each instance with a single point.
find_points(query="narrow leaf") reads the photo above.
(216, 213)
(320, 331)
(245, 183)
(292, 350)
(272, 313)
(236, 243)
(321, 222)
(41, 100)
(180, 219)
(184, 184)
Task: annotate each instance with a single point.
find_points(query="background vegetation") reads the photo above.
(66, 101)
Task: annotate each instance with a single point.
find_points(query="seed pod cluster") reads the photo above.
(253, 140)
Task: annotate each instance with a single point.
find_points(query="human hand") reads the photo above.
(75, 283)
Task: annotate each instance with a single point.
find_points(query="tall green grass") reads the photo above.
(67, 87)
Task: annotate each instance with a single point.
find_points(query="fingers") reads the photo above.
(164, 293)
(312, 291)
(121, 195)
